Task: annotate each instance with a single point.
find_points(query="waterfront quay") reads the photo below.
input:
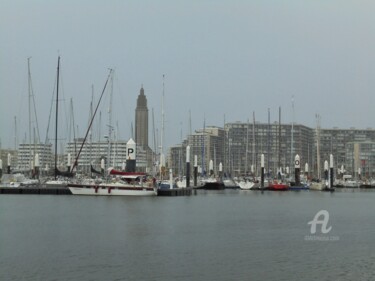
(41, 190)
(63, 190)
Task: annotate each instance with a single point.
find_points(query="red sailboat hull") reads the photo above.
(277, 186)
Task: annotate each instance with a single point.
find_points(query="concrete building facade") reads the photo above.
(239, 147)
(26, 156)
(207, 144)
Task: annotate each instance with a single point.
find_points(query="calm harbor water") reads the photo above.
(223, 235)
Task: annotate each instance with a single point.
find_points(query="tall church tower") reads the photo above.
(141, 120)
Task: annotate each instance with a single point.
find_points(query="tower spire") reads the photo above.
(141, 119)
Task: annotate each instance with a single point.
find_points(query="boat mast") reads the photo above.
(115, 145)
(57, 108)
(98, 151)
(32, 116)
(154, 141)
(91, 113)
(110, 128)
(180, 173)
(47, 140)
(225, 147)
(29, 94)
(247, 147)
(254, 163)
(162, 133)
(203, 146)
(74, 127)
(268, 143)
(292, 136)
(15, 133)
(318, 145)
(279, 141)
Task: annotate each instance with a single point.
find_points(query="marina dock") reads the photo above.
(36, 190)
(176, 192)
(62, 190)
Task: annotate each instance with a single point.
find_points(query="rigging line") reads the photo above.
(36, 119)
(96, 109)
(70, 122)
(63, 99)
(90, 116)
(50, 111)
(21, 103)
(31, 98)
(74, 129)
(35, 115)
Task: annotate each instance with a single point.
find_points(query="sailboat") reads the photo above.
(277, 184)
(121, 183)
(248, 182)
(128, 184)
(318, 184)
(57, 172)
(208, 181)
(30, 175)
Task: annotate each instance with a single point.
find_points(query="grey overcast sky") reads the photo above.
(219, 58)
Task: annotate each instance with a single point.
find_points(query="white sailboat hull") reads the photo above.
(351, 183)
(317, 185)
(112, 190)
(248, 185)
